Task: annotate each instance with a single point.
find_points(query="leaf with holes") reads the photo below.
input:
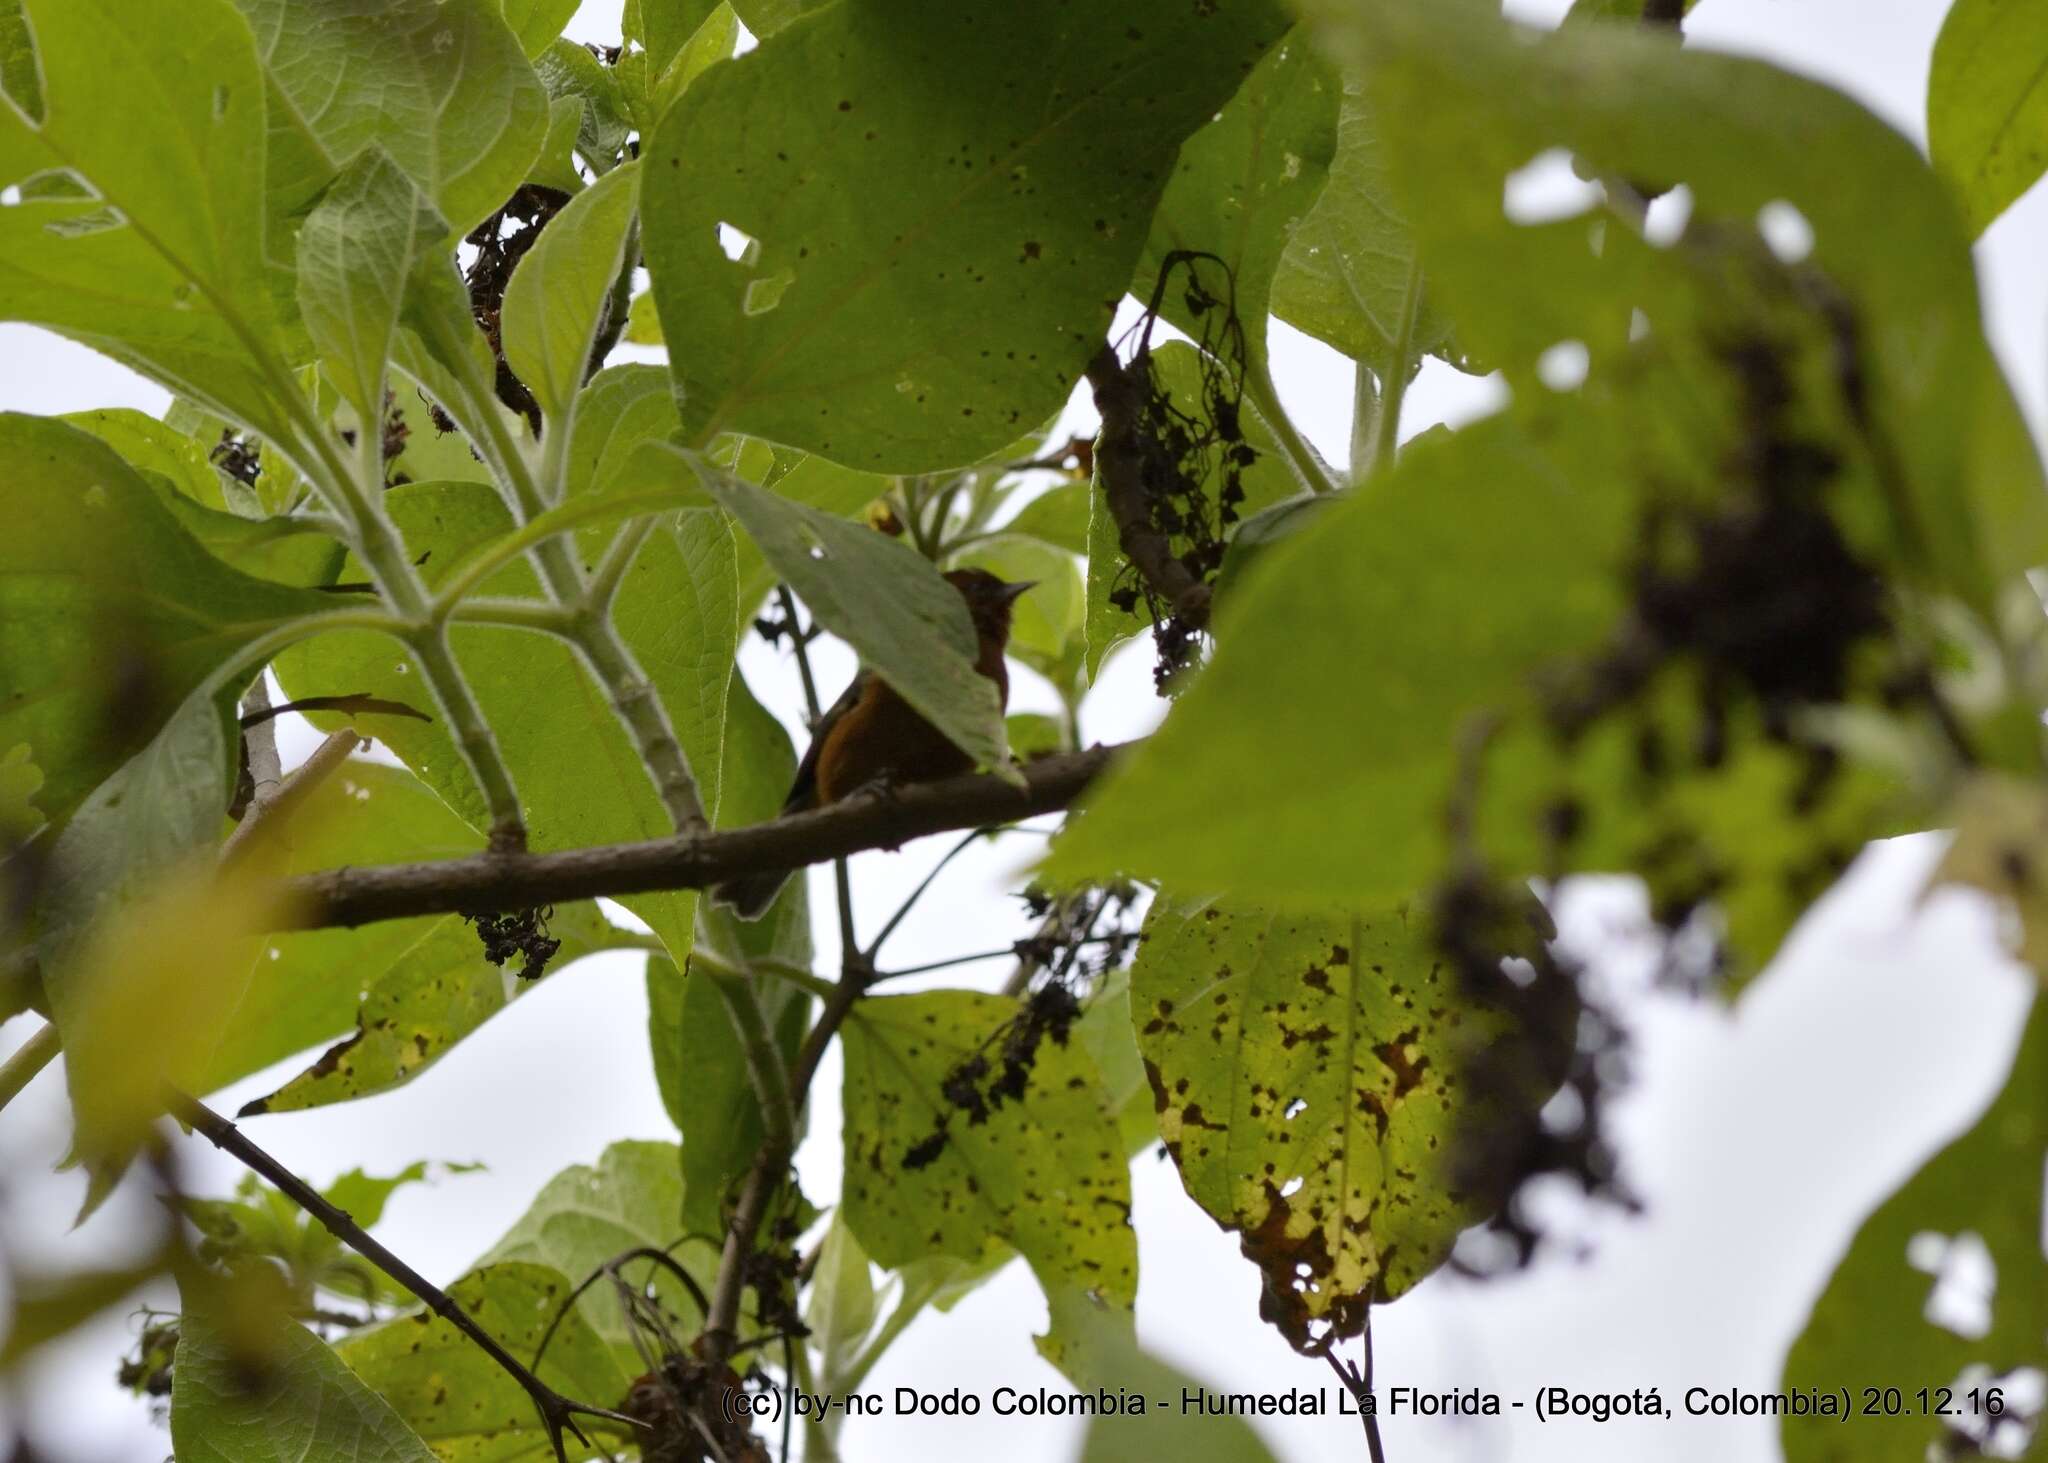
(921, 275)
(580, 780)
(144, 242)
(1043, 1174)
(1875, 1325)
(1987, 104)
(458, 1399)
(1312, 1074)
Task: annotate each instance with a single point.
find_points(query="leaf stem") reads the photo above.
(1307, 463)
(28, 1059)
(1394, 371)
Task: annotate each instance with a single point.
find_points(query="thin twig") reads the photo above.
(875, 949)
(558, 1413)
(1008, 950)
(357, 896)
(27, 1060)
(267, 814)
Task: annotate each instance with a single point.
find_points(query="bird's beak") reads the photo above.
(1012, 592)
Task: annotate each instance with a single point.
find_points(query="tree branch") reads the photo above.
(557, 1412)
(1120, 463)
(359, 896)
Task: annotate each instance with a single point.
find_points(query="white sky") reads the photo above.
(1758, 1136)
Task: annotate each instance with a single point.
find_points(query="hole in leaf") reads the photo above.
(1547, 189)
(1665, 222)
(1785, 230)
(55, 185)
(739, 246)
(10, 196)
(1563, 367)
(99, 221)
(1288, 1191)
(1295, 1109)
(765, 293)
(1965, 1281)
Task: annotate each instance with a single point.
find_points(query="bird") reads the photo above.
(872, 737)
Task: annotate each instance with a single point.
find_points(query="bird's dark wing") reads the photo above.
(803, 791)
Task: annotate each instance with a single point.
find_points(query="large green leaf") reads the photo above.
(928, 270)
(110, 612)
(586, 1216)
(909, 626)
(139, 226)
(1987, 103)
(279, 1393)
(622, 407)
(1310, 1073)
(538, 22)
(818, 483)
(403, 991)
(1043, 1174)
(1871, 1327)
(357, 250)
(453, 1395)
(1241, 185)
(556, 300)
(1889, 273)
(580, 781)
(1346, 273)
(443, 86)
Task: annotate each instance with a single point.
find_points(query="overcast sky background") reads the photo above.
(1759, 1136)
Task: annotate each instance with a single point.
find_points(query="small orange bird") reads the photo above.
(873, 737)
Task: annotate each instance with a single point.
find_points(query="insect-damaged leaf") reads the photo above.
(1874, 1325)
(456, 1397)
(1042, 1172)
(932, 230)
(144, 239)
(1313, 1075)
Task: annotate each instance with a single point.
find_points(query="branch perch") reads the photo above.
(359, 896)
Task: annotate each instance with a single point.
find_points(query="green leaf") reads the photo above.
(586, 1216)
(1584, 12)
(1105, 1029)
(1058, 516)
(1743, 137)
(909, 626)
(404, 991)
(1307, 1071)
(1045, 628)
(622, 407)
(765, 17)
(1043, 1174)
(1344, 277)
(1034, 734)
(643, 325)
(443, 86)
(146, 242)
(460, 1400)
(1163, 1430)
(556, 300)
(666, 26)
(1015, 227)
(1242, 183)
(1987, 104)
(357, 250)
(568, 70)
(281, 1393)
(818, 483)
(538, 22)
(150, 446)
(111, 614)
(1872, 1326)
(580, 780)
(1177, 368)
(556, 166)
(841, 1308)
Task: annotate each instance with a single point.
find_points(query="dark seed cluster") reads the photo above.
(501, 241)
(521, 932)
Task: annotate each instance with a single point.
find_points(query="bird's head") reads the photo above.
(989, 600)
